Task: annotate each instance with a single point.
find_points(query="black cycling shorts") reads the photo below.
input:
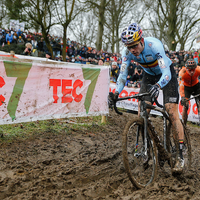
(170, 91)
(194, 90)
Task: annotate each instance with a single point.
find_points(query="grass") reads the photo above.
(193, 124)
(12, 132)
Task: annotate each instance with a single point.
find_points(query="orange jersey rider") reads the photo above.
(188, 84)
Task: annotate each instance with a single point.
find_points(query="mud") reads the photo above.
(86, 165)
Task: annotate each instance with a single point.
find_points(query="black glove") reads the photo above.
(184, 102)
(154, 91)
(112, 98)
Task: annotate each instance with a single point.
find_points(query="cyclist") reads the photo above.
(158, 71)
(188, 84)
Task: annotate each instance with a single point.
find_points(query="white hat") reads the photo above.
(114, 63)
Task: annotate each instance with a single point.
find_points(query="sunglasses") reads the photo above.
(133, 46)
(191, 70)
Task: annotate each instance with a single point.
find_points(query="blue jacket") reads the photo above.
(9, 38)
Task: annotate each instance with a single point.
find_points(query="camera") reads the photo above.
(29, 49)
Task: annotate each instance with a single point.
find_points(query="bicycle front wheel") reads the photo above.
(140, 166)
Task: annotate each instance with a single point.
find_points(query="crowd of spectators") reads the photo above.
(34, 45)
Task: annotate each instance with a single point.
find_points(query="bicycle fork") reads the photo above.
(144, 139)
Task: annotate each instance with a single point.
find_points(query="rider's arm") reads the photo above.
(198, 70)
(181, 85)
(164, 63)
(126, 59)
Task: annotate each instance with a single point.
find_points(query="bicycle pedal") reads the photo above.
(137, 155)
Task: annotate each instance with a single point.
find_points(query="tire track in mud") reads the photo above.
(86, 166)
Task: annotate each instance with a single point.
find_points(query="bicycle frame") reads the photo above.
(144, 114)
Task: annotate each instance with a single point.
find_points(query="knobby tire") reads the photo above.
(139, 175)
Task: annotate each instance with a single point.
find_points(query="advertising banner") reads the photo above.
(32, 91)
(132, 104)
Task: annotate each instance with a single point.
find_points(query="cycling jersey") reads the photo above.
(186, 80)
(152, 59)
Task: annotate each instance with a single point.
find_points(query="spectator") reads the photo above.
(19, 32)
(73, 59)
(114, 73)
(138, 73)
(14, 39)
(56, 48)
(3, 40)
(68, 58)
(20, 41)
(77, 60)
(40, 45)
(100, 62)
(195, 57)
(70, 51)
(48, 55)
(181, 62)
(9, 38)
(28, 50)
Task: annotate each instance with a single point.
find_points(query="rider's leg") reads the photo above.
(177, 127)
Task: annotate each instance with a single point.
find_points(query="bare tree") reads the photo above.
(121, 13)
(42, 13)
(100, 7)
(85, 29)
(174, 22)
(3, 11)
(66, 12)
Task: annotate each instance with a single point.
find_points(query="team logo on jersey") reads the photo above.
(158, 56)
(150, 44)
(163, 82)
(167, 77)
(138, 57)
(149, 57)
(161, 63)
(124, 59)
(123, 67)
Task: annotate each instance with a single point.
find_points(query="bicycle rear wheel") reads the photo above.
(141, 168)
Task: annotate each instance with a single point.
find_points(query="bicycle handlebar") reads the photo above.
(193, 97)
(139, 97)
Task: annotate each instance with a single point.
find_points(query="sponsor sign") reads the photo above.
(32, 91)
(132, 104)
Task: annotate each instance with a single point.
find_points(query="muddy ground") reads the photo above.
(86, 165)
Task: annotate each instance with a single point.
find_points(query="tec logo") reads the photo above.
(68, 90)
(2, 83)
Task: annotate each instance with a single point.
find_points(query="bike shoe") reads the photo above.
(178, 166)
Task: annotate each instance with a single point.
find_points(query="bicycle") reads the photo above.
(141, 144)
